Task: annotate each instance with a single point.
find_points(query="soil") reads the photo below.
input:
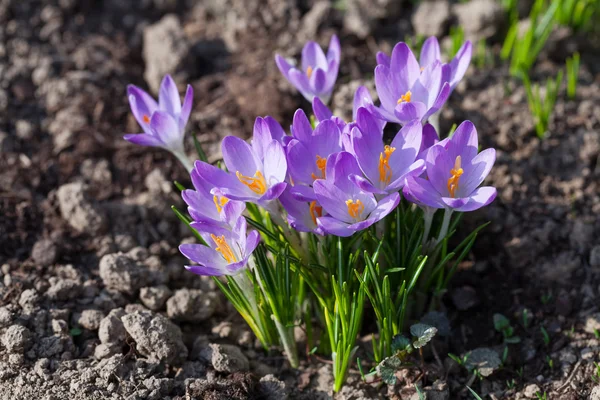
(94, 300)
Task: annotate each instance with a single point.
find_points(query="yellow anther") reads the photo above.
(256, 183)
(405, 98)
(223, 248)
(146, 118)
(355, 208)
(321, 165)
(385, 172)
(455, 173)
(309, 71)
(220, 201)
(315, 211)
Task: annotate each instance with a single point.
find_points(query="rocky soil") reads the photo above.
(94, 300)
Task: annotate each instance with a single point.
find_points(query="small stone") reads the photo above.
(16, 339)
(90, 319)
(121, 273)
(111, 329)
(225, 357)
(592, 323)
(155, 336)
(595, 257)
(531, 390)
(25, 129)
(44, 252)
(480, 19)
(431, 18)
(155, 297)
(63, 289)
(595, 393)
(587, 354)
(192, 305)
(28, 300)
(106, 350)
(78, 210)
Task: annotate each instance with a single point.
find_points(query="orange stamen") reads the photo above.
(455, 173)
(223, 248)
(220, 202)
(256, 183)
(321, 165)
(355, 208)
(385, 172)
(405, 98)
(315, 211)
(309, 71)
(146, 119)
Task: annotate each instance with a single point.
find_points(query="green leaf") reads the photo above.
(424, 333)
(401, 343)
(483, 360)
(477, 397)
(387, 369)
(501, 322)
(201, 153)
(75, 332)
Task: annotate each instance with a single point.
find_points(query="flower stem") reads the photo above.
(286, 335)
(428, 214)
(184, 160)
(445, 225)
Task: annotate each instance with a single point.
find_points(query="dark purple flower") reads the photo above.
(318, 73)
(455, 170)
(349, 208)
(164, 122)
(227, 252)
(385, 167)
(406, 91)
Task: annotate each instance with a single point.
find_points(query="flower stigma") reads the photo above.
(455, 173)
(405, 98)
(223, 248)
(309, 71)
(256, 183)
(315, 211)
(220, 201)
(385, 172)
(146, 118)
(321, 165)
(355, 208)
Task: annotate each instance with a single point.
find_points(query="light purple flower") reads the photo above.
(430, 138)
(209, 208)
(250, 178)
(227, 252)
(385, 167)
(453, 72)
(455, 170)
(164, 122)
(302, 215)
(406, 92)
(350, 209)
(318, 73)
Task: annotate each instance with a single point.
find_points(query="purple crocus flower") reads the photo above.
(452, 72)
(250, 178)
(302, 215)
(208, 207)
(318, 73)
(406, 91)
(164, 122)
(455, 170)
(430, 138)
(385, 167)
(227, 253)
(350, 208)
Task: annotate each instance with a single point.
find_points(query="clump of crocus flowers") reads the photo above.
(319, 206)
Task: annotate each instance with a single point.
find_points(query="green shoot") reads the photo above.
(459, 361)
(550, 362)
(457, 37)
(510, 384)
(545, 335)
(519, 372)
(546, 297)
(596, 375)
(572, 75)
(541, 108)
(502, 325)
(577, 14)
(474, 394)
(541, 396)
(597, 333)
(526, 320)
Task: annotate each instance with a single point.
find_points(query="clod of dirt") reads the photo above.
(28, 300)
(166, 50)
(239, 386)
(111, 329)
(121, 273)
(79, 211)
(16, 339)
(431, 18)
(155, 297)
(44, 252)
(595, 394)
(89, 319)
(595, 257)
(361, 16)
(155, 336)
(592, 323)
(272, 388)
(192, 305)
(63, 289)
(438, 391)
(225, 357)
(464, 298)
(480, 19)
(531, 390)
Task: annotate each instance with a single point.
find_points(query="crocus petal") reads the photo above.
(383, 59)
(409, 111)
(414, 169)
(479, 198)
(165, 127)
(407, 144)
(203, 255)
(142, 105)
(301, 128)
(368, 146)
(168, 97)
(404, 68)
(430, 137)
(261, 137)
(466, 141)
(143, 139)
(232, 211)
(332, 199)
(439, 163)
(238, 156)
(439, 101)
(300, 81)
(214, 175)
(476, 172)
(387, 96)
(298, 212)
(313, 57)
(339, 167)
(186, 109)
(252, 241)
(277, 132)
(321, 111)
(318, 80)
(303, 193)
(454, 203)
(427, 87)
(334, 52)
(301, 163)
(335, 227)
(275, 164)
(283, 65)
(384, 207)
(430, 52)
(382, 114)
(422, 190)
(273, 192)
(205, 271)
(460, 63)
(326, 139)
(365, 185)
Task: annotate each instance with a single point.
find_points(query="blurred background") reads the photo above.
(72, 191)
